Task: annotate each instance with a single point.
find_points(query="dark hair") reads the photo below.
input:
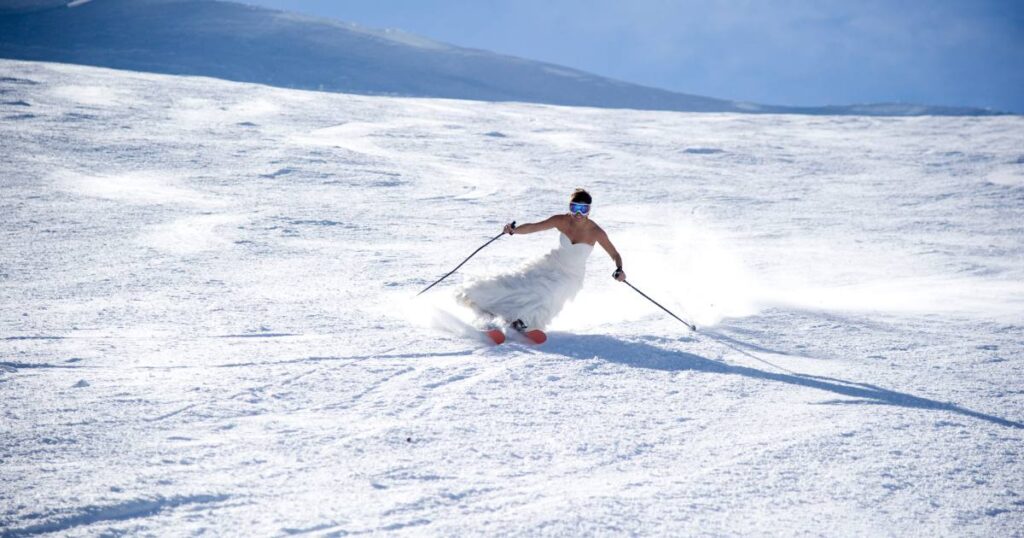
(580, 196)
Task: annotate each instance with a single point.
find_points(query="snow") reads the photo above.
(139, 188)
(16, 6)
(246, 43)
(208, 321)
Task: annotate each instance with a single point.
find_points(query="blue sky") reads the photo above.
(789, 52)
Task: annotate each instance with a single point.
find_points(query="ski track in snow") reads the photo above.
(207, 321)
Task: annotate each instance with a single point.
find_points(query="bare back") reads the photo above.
(578, 230)
(585, 231)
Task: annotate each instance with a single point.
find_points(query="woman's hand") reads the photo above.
(510, 228)
(619, 275)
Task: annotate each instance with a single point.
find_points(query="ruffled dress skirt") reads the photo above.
(534, 293)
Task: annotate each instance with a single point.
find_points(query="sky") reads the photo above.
(785, 52)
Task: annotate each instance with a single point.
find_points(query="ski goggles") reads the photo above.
(582, 209)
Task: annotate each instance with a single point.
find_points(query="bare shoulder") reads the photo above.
(560, 221)
(597, 231)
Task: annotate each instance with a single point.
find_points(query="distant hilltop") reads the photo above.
(251, 44)
(22, 6)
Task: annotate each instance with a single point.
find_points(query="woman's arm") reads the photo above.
(529, 228)
(606, 244)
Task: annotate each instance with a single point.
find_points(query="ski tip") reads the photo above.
(537, 336)
(496, 336)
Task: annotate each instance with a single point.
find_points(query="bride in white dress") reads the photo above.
(532, 295)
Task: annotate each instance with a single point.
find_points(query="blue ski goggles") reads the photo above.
(582, 209)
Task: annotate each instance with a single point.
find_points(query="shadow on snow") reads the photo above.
(642, 355)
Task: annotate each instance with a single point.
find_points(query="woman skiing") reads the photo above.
(529, 298)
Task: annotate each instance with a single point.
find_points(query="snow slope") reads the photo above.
(207, 324)
(23, 6)
(251, 44)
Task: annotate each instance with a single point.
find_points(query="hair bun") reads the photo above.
(580, 195)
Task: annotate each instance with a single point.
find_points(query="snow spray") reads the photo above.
(440, 312)
(690, 267)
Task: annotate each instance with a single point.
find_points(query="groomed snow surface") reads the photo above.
(208, 322)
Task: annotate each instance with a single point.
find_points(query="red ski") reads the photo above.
(536, 336)
(495, 335)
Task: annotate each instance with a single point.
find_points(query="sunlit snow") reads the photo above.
(208, 321)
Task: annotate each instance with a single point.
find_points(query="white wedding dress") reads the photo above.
(536, 292)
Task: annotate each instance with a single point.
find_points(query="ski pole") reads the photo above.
(690, 325)
(466, 260)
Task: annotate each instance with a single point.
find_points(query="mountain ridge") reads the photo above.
(247, 43)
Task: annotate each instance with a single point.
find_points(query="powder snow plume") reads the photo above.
(685, 266)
